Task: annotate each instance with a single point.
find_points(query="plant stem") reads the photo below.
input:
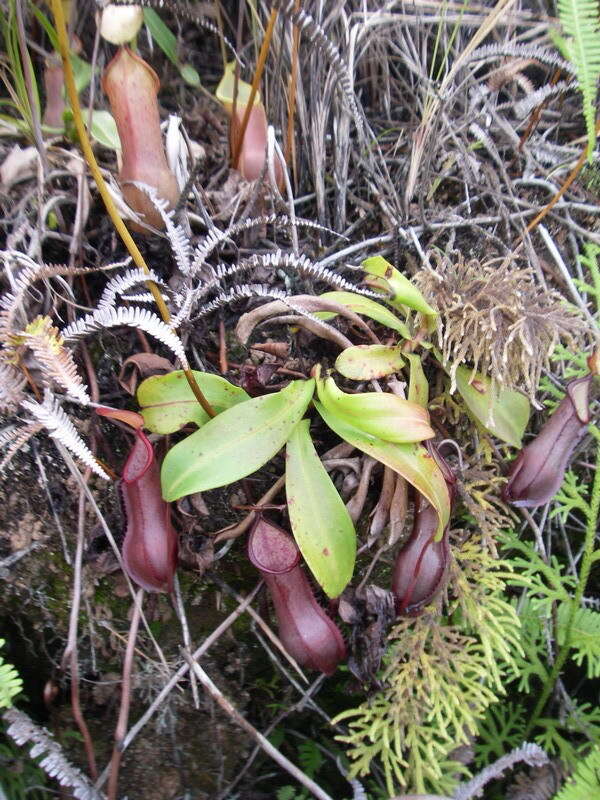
(121, 728)
(264, 743)
(568, 181)
(88, 153)
(29, 79)
(262, 57)
(584, 573)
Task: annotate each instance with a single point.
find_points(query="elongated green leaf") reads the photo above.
(418, 388)
(104, 129)
(412, 461)
(167, 403)
(235, 443)
(503, 412)
(321, 524)
(381, 414)
(366, 361)
(366, 307)
(403, 292)
(167, 42)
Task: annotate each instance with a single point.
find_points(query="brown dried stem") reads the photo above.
(121, 728)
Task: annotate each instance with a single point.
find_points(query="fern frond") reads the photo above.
(131, 317)
(517, 50)
(584, 783)
(146, 297)
(11, 386)
(179, 240)
(239, 293)
(10, 682)
(544, 581)
(122, 283)
(530, 753)
(580, 20)
(502, 726)
(439, 682)
(18, 438)
(585, 637)
(319, 39)
(59, 426)
(56, 362)
(29, 274)
(53, 761)
(525, 106)
(566, 737)
(274, 260)
(215, 237)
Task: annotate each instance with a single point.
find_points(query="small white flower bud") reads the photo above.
(119, 24)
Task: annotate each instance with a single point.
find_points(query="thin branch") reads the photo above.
(266, 745)
(174, 680)
(121, 728)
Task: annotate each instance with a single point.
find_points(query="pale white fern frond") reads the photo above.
(14, 439)
(216, 237)
(146, 297)
(180, 243)
(276, 259)
(529, 752)
(131, 317)
(525, 106)
(317, 38)
(11, 386)
(238, 293)
(56, 362)
(122, 283)
(30, 272)
(261, 290)
(517, 50)
(59, 426)
(53, 760)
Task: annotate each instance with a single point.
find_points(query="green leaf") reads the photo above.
(403, 292)
(167, 403)
(503, 412)
(167, 42)
(381, 414)
(320, 521)
(82, 72)
(104, 129)
(418, 388)
(366, 307)
(366, 361)
(235, 443)
(412, 461)
(189, 74)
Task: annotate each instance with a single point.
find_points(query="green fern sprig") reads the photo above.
(585, 782)
(10, 683)
(585, 637)
(570, 497)
(580, 21)
(533, 663)
(569, 736)
(501, 728)
(441, 676)
(546, 582)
